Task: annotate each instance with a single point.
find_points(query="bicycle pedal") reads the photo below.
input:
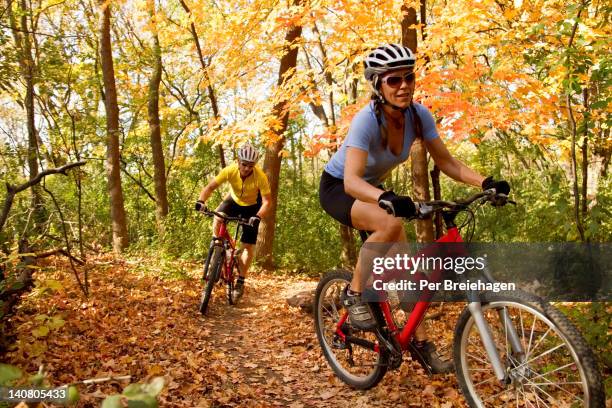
(395, 361)
(418, 357)
(338, 343)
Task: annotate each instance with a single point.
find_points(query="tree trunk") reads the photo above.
(437, 192)
(27, 67)
(418, 153)
(272, 163)
(159, 166)
(118, 217)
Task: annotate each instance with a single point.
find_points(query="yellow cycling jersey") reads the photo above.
(244, 192)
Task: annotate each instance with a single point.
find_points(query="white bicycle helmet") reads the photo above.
(248, 153)
(386, 58)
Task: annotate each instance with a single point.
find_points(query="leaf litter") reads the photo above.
(260, 353)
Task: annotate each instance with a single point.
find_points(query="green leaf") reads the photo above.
(53, 284)
(37, 379)
(73, 394)
(154, 387)
(142, 401)
(37, 348)
(599, 104)
(9, 373)
(133, 389)
(114, 401)
(55, 323)
(40, 331)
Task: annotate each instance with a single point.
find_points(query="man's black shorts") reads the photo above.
(233, 209)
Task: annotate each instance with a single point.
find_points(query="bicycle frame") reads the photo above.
(229, 244)
(402, 337)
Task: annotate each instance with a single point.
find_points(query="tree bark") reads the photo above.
(573, 131)
(27, 67)
(113, 171)
(159, 166)
(418, 152)
(272, 163)
(437, 195)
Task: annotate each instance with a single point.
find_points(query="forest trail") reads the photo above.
(260, 353)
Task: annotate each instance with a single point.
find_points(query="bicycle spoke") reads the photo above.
(480, 351)
(553, 371)
(541, 355)
(531, 336)
(486, 381)
(538, 343)
(549, 383)
(525, 398)
(547, 394)
(336, 314)
(328, 311)
(522, 327)
(498, 394)
(540, 399)
(476, 358)
(558, 383)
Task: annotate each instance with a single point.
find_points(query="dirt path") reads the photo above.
(261, 352)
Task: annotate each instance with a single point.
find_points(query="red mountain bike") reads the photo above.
(510, 348)
(221, 260)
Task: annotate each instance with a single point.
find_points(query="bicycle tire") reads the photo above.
(212, 271)
(231, 283)
(330, 287)
(580, 384)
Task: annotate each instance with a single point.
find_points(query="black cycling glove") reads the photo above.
(254, 221)
(501, 186)
(200, 205)
(398, 206)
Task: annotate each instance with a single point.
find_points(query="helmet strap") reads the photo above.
(394, 107)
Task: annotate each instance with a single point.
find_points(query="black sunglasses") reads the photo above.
(395, 81)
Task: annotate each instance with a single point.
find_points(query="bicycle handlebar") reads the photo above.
(225, 217)
(426, 208)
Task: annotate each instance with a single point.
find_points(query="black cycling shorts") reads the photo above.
(334, 199)
(233, 209)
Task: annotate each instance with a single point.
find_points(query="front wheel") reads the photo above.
(212, 272)
(354, 359)
(553, 366)
(231, 282)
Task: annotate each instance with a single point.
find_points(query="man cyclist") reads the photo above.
(249, 198)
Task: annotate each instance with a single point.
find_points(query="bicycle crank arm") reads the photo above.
(360, 342)
(487, 340)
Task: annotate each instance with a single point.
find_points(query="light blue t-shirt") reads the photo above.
(364, 134)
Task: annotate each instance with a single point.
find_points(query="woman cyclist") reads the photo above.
(379, 139)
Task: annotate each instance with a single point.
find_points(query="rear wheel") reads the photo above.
(212, 271)
(353, 359)
(556, 368)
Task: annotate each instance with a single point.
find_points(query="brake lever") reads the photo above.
(423, 211)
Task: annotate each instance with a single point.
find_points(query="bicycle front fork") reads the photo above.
(488, 341)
